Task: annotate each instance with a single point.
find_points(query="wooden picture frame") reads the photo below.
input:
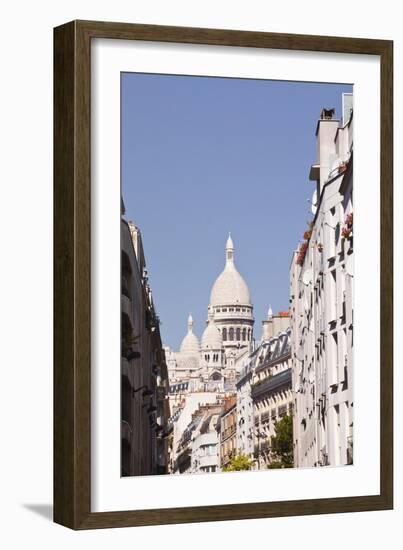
(72, 270)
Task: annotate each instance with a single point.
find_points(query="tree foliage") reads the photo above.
(282, 444)
(275, 465)
(238, 463)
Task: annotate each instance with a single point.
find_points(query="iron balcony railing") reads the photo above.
(265, 417)
(229, 431)
(125, 287)
(272, 384)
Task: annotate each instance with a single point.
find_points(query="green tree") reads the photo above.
(282, 444)
(238, 463)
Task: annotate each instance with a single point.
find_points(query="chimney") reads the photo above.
(326, 148)
(274, 324)
(268, 325)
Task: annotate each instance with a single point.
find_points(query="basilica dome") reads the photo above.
(230, 287)
(190, 344)
(211, 338)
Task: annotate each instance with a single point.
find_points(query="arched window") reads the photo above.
(238, 334)
(231, 334)
(244, 334)
(249, 334)
(224, 334)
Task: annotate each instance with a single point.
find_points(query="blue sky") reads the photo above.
(204, 156)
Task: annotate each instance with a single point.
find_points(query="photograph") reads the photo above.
(237, 268)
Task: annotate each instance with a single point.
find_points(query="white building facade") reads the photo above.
(205, 444)
(244, 407)
(271, 392)
(321, 304)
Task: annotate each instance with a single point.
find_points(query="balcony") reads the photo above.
(127, 306)
(273, 384)
(161, 392)
(233, 313)
(228, 432)
(125, 287)
(126, 431)
(265, 418)
(126, 370)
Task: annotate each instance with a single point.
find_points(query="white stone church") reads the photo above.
(209, 365)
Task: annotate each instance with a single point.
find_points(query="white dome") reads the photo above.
(230, 287)
(211, 338)
(190, 344)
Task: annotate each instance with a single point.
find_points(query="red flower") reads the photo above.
(302, 253)
(348, 226)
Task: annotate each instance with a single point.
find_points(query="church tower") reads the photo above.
(231, 307)
(212, 351)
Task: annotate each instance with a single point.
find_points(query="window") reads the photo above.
(224, 334)
(244, 334)
(231, 334)
(238, 334)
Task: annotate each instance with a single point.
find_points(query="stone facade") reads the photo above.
(144, 374)
(321, 289)
(271, 392)
(226, 430)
